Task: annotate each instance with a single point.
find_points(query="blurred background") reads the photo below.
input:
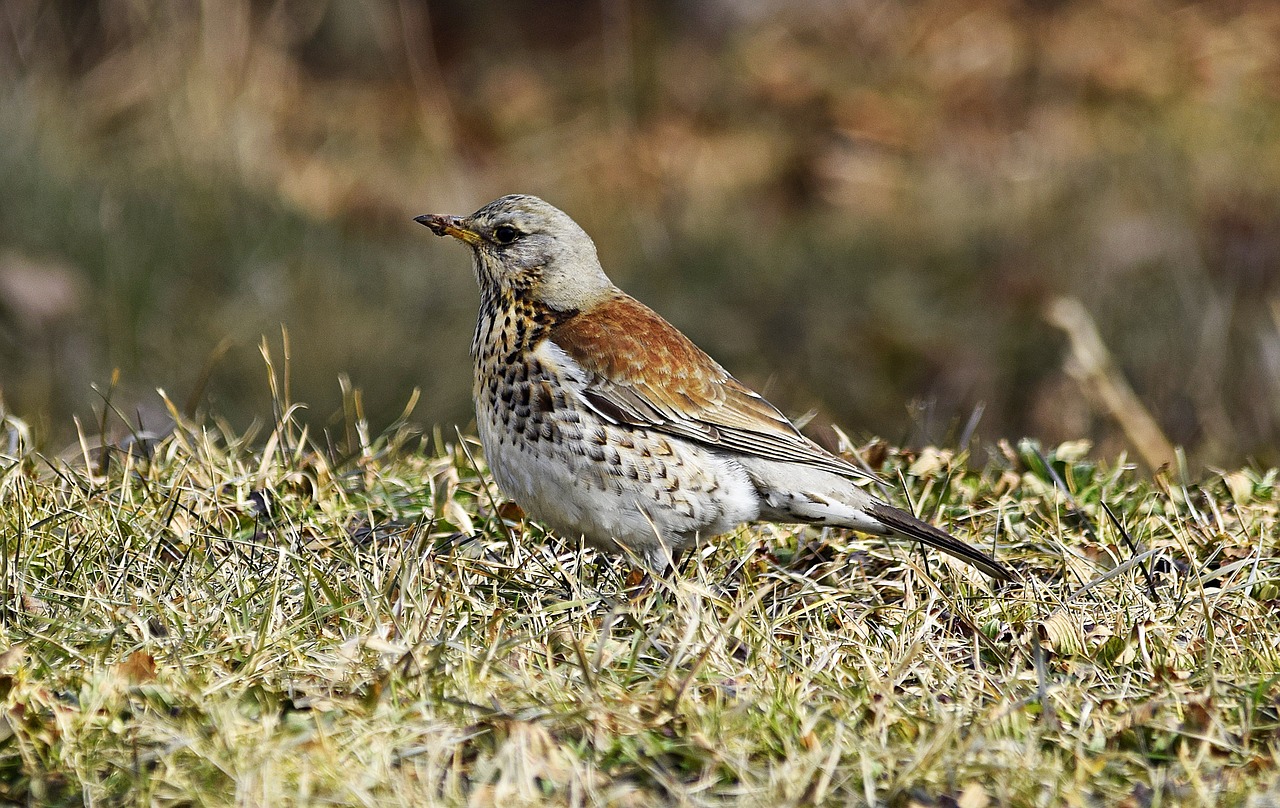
(923, 220)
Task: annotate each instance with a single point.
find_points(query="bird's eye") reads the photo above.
(505, 234)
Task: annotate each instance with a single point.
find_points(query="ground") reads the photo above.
(284, 617)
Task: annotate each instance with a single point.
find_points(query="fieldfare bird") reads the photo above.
(600, 419)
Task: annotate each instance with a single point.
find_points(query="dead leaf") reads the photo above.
(973, 796)
(138, 668)
(12, 657)
(510, 511)
(1062, 633)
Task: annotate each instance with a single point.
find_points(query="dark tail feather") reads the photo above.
(904, 523)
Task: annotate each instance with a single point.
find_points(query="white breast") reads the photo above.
(608, 482)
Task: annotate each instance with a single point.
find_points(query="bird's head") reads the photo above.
(527, 247)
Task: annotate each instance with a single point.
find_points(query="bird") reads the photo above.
(603, 421)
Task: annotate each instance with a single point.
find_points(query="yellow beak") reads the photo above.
(449, 226)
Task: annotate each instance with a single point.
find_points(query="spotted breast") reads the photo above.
(580, 471)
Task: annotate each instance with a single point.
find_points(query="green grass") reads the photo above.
(296, 618)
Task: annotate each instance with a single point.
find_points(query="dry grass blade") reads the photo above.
(294, 624)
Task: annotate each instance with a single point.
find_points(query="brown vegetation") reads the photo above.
(852, 205)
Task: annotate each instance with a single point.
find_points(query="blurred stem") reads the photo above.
(1091, 365)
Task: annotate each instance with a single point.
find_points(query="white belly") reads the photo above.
(615, 486)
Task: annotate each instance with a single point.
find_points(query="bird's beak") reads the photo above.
(448, 226)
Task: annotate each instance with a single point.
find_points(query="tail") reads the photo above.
(791, 492)
(907, 525)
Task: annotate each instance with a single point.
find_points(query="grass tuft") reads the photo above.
(292, 618)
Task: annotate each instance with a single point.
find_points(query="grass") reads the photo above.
(213, 618)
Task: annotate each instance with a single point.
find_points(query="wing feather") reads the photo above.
(641, 371)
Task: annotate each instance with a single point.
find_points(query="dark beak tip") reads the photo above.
(431, 220)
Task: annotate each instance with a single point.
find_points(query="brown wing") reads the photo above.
(644, 372)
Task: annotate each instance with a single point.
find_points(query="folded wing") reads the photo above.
(643, 372)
